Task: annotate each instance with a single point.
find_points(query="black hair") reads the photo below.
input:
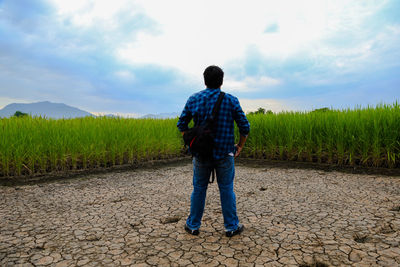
(213, 77)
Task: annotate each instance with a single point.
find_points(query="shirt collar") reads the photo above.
(213, 89)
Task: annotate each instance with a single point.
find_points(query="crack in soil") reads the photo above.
(173, 219)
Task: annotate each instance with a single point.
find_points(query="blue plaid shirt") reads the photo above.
(199, 107)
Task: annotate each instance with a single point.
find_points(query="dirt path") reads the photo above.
(292, 217)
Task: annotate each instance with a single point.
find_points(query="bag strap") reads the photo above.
(213, 116)
(217, 105)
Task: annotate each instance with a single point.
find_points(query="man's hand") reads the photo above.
(240, 146)
(238, 150)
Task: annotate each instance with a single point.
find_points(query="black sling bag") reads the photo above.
(200, 138)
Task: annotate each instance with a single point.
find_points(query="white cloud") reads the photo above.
(250, 84)
(4, 101)
(344, 63)
(89, 13)
(195, 34)
(125, 75)
(198, 34)
(268, 104)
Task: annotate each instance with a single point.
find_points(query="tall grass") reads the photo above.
(367, 137)
(37, 145)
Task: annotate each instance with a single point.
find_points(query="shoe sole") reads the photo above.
(236, 232)
(192, 232)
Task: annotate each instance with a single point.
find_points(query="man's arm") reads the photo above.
(243, 125)
(184, 119)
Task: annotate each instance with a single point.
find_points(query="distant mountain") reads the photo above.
(46, 108)
(161, 116)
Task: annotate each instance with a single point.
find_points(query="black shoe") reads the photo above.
(190, 231)
(235, 232)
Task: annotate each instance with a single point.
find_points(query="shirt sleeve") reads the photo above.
(240, 118)
(185, 118)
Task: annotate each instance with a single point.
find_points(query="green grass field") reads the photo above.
(366, 137)
(36, 145)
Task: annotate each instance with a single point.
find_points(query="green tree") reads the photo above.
(20, 114)
(261, 111)
(321, 109)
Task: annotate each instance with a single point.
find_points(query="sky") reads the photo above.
(135, 57)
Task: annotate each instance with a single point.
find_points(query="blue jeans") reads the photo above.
(225, 172)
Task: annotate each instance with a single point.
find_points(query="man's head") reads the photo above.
(213, 77)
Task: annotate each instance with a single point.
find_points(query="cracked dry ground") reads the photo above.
(292, 217)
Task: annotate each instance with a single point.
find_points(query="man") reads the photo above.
(199, 107)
